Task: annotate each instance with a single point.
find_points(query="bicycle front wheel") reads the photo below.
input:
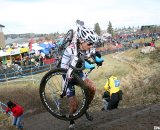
(50, 91)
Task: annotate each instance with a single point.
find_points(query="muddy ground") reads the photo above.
(134, 118)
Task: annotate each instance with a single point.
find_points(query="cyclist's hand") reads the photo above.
(90, 62)
(99, 63)
(98, 54)
(97, 58)
(100, 60)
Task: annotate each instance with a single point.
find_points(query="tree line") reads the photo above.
(143, 29)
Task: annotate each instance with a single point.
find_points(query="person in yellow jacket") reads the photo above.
(112, 94)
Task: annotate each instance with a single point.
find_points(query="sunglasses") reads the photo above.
(89, 44)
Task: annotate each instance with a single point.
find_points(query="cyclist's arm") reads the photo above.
(90, 52)
(66, 58)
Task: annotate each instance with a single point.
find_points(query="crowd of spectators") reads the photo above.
(27, 60)
(32, 60)
(128, 40)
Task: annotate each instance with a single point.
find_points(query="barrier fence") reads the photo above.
(30, 70)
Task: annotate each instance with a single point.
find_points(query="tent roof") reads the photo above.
(37, 48)
(2, 53)
(23, 50)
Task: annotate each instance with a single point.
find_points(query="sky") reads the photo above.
(49, 16)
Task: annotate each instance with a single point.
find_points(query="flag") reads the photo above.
(30, 44)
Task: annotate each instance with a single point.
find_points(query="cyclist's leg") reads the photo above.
(73, 108)
(91, 86)
(73, 102)
(92, 89)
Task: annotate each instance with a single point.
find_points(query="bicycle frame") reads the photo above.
(73, 63)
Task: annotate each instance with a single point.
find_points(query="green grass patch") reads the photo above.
(110, 66)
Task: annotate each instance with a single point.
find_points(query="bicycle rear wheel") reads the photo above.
(67, 38)
(50, 90)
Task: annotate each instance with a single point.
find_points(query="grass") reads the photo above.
(5, 122)
(25, 94)
(109, 67)
(142, 87)
(155, 56)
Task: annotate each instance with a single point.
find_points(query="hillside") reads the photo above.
(133, 118)
(139, 109)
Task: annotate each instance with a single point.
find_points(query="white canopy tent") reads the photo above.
(37, 48)
(2, 53)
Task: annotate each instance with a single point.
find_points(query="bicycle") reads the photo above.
(53, 91)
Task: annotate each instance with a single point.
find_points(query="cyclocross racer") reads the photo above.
(85, 39)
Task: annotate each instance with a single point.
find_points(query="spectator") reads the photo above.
(41, 59)
(112, 94)
(36, 58)
(153, 39)
(152, 44)
(1, 67)
(17, 112)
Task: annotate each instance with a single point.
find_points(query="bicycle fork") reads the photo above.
(57, 100)
(65, 83)
(64, 87)
(63, 93)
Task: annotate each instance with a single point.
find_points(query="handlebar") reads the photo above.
(77, 69)
(86, 64)
(82, 58)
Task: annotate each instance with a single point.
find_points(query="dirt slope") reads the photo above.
(134, 118)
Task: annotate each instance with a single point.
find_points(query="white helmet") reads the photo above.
(87, 34)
